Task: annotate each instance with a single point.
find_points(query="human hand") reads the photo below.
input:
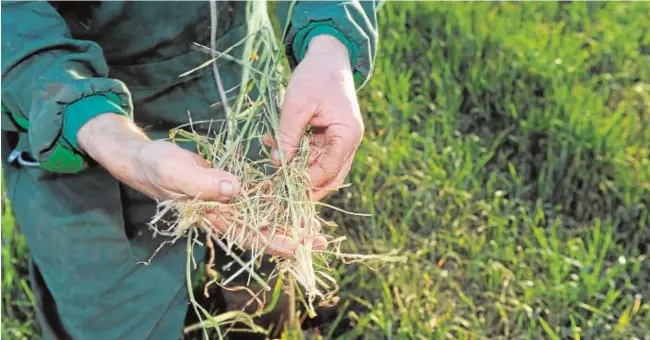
(158, 169)
(163, 170)
(166, 169)
(321, 94)
(280, 242)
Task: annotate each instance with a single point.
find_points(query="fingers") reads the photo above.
(285, 246)
(335, 184)
(330, 159)
(340, 145)
(269, 140)
(282, 243)
(295, 116)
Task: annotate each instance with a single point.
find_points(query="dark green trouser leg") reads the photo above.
(86, 234)
(45, 308)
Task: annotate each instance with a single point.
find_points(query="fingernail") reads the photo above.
(226, 188)
(275, 155)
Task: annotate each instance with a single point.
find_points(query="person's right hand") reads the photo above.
(159, 169)
(163, 170)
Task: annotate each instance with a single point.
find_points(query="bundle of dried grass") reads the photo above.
(273, 207)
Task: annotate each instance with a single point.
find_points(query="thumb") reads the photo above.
(208, 184)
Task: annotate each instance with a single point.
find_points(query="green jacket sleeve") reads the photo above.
(353, 22)
(52, 84)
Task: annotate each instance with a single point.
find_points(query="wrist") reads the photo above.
(78, 113)
(110, 139)
(330, 46)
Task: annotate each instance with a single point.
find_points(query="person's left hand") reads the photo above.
(321, 94)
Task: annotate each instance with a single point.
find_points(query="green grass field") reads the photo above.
(507, 154)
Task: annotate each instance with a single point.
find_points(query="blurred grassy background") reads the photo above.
(507, 154)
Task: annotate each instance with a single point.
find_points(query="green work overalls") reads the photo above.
(64, 63)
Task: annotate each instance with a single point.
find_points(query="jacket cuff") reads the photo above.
(354, 23)
(304, 36)
(316, 28)
(57, 116)
(80, 112)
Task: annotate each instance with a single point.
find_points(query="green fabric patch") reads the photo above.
(80, 112)
(63, 159)
(21, 121)
(67, 157)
